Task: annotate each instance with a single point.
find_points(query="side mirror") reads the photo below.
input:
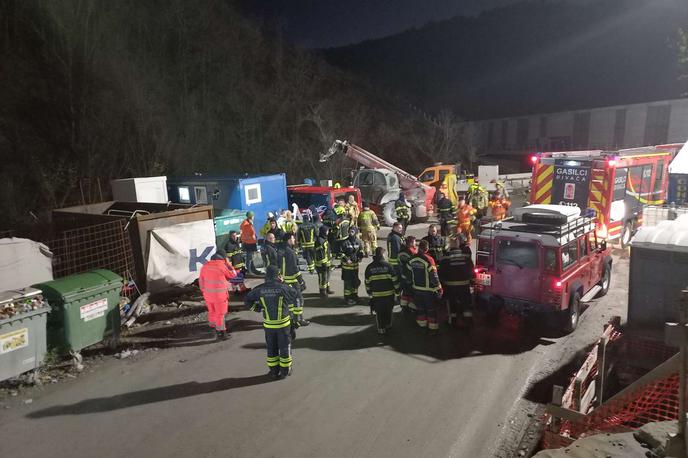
(603, 245)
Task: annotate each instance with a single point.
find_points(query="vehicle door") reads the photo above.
(585, 272)
(596, 258)
(364, 182)
(517, 269)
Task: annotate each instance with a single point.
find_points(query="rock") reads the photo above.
(14, 393)
(522, 452)
(28, 401)
(168, 322)
(182, 360)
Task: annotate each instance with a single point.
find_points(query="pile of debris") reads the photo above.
(21, 305)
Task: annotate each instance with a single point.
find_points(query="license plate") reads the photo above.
(484, 279)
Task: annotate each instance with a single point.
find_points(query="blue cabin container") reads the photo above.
(678, 188)
(259, 193)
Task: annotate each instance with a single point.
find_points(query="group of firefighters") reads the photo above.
(421, 276)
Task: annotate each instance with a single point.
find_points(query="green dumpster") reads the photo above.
(85, 309)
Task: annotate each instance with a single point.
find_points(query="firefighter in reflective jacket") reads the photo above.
(306, 234)
(236, 255)
(395, 243)
(456, 274)
(343, 226)
(275, 301)
(288, 264)
(436, 243)
(352, 253)
(403, 214)
(323, 261)
(214, 283)
(409, 251)
(447, 215)
(368, 225)
(427, 291)
(382, 285)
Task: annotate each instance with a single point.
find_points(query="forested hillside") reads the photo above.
(531, 57)
(94, 90)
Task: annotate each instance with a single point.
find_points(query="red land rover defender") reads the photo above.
(546, 258)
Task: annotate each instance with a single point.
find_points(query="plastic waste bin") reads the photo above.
(22, 331)
(85, 309)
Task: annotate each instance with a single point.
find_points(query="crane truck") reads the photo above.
(381, 182)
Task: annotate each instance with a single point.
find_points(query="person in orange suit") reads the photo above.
(465, 216)
(249, 242)
(499, 206)
(214, 283)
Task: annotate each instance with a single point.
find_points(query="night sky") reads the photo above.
(325, 23)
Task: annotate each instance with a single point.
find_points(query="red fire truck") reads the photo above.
(615, 184)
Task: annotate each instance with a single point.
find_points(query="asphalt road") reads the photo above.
(352, 393)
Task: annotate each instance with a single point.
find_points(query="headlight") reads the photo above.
(618, 210)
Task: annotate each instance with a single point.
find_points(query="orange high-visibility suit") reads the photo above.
(465, 216)
(214, 282)
(499, 208)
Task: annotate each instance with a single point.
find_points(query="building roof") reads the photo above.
(666, 236)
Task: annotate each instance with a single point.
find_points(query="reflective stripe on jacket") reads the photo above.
(424, 273)
(214, 280)
(381, 280)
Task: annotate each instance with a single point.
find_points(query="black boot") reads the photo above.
(323, 292)
(222, 335)
(303, 321)
(329, 290)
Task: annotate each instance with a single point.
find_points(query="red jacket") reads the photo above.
(214, 280)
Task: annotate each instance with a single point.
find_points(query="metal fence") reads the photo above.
(653, 215)
(103, 246)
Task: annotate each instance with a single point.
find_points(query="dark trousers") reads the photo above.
(426, 309)
(249, 250)
(383, 311)
(278, 343)
(351, 282)
(309, 256)
(323, 277)
(458, 300)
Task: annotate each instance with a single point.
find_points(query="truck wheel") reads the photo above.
(389, 214)
(606, 280)
(572, 315)
(626, 235)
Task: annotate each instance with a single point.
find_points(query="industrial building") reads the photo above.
(613, 127)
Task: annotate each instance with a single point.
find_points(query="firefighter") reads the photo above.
(427, 290)
(368, 225)
(276, 230)
(329, 217)
(395, 243)
(340, 208)
(235, 255)
(214, 283)
(447, 215)
(499, 206)
(289, 226)
(352, 253)
(401, 208)
(343, 227)
(352, 210)
(323, 261)
(269, 250)
(275, 301)
(456, 274)
(288, 263)
(477, 198)
(306, 236)
(409, 251)
(465, 216)
(382, 285)
(249, 242)
(266, 227)
(436, 242)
